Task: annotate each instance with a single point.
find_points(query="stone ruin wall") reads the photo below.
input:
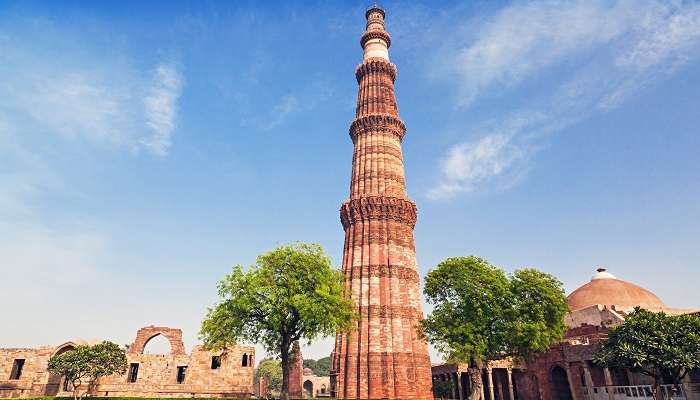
(157, 374)
(35, 380)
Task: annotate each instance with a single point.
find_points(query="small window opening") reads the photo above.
(133, 372)
(181, 374)
(245, 360)
(17, 369)
(216, 362)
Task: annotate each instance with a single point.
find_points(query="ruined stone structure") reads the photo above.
(315, 386)
(200, 374)
(567, 371)
(383, 357)
(296, 372)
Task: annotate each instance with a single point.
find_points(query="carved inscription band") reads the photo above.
(378, 208)
(377, 123)
(375, 66)
(404, 312)
(386, 271)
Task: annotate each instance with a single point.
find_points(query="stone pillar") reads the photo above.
(458, 385)
(608, 383)
(572, 382)
(511, 393)
(489, 376)
(296, 372)
(589, 380)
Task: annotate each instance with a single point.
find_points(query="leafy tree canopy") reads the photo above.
(480, 312)
(291, 293)
(85, 364)
(662, 346)
(321, 367)
(271, 369)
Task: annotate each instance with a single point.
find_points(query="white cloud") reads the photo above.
(161, 107)
(469, 164)
(608, 51)
(522, 39)
(51, 86)
(669, 35)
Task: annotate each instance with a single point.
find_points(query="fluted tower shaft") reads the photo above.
(383, 357)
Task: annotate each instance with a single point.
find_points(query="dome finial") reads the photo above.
(602, 273)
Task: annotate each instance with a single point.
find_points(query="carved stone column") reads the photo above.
(511, 393)
(608, 383)
(489, 376)
(458, 385)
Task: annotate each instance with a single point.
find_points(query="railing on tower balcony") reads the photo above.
(637, 392)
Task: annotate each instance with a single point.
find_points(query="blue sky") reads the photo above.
(147, 148)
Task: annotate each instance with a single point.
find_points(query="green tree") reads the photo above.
(271, 369)
(662, 346)
(481, 313)
(291, 293)
(443, 389)
(321, 367)
(310, 364)
(85, 364)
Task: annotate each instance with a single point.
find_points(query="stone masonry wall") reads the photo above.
(157, 374)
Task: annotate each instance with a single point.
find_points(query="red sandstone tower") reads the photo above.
(383, 358)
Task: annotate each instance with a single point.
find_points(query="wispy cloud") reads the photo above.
(52, 86)
(305, 99)
(616, 49)
(161, 107)
(469, 164)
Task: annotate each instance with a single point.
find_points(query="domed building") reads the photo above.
(566, 371)
(604, 288)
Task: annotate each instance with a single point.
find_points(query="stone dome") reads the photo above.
(604, 288)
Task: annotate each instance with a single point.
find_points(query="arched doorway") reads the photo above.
(560, 384)
(157, 344)
(308, 389)
(58, 383)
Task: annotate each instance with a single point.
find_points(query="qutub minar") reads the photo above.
(383, 357)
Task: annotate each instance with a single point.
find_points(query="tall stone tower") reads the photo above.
(383, 357)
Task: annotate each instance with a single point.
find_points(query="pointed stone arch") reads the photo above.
(56, 383)
(67, 346)
(145, 334)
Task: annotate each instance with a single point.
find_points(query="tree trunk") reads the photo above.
(76, 389)
(656, 390)
(284, 355)
(475, 383)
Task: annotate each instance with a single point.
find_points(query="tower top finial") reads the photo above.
(375, 8)
(376, 40)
